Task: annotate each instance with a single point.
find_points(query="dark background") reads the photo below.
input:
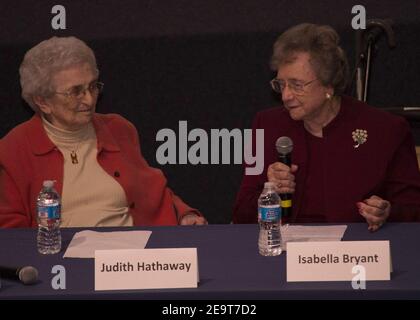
(204, 61)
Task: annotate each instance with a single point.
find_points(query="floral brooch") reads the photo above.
(359, 136)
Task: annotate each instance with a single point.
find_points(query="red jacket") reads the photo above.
(28, 157)
(385, 165)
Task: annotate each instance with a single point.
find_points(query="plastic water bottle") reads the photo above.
(269, 219)
(49, 215)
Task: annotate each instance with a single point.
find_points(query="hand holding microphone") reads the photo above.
(282, 173)
(283, 177)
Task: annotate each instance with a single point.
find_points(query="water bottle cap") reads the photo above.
(269, 185)
(48, 183)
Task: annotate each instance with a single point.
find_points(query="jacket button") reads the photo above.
(132, 205)
(116, 174)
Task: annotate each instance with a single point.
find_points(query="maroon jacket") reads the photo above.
(28, 157)
(385, 165)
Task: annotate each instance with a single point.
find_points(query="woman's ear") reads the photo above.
(331, 90)
(42, 104)
(329, 93)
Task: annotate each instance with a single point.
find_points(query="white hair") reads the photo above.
(47, 58)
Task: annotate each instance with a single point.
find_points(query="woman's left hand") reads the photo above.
(375, 210)
(192, 219)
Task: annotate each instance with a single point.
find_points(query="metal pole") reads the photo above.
(369, 53)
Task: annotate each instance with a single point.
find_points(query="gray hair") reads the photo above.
(47, 58)
(321, 42)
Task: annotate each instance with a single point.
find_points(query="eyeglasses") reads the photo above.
(78, 92)
(294, 86)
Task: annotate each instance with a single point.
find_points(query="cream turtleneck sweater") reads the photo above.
(90, 197)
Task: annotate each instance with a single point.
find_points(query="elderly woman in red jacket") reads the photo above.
(350, 162)
(94, 158)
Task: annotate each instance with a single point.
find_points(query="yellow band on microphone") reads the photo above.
(286, 203)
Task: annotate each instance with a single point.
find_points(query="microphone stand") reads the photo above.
(360, 65)
(365, 40)
(368, 61)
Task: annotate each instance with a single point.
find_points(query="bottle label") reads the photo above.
(49, 212)
(269, 213)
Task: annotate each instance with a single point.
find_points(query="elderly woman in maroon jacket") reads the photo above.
(350, 162)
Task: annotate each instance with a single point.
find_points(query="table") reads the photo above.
(229, 265)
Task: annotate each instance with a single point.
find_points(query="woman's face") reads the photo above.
(72, 105)
(303, 95)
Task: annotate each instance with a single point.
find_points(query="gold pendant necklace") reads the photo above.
(73, 151)
(73, 156)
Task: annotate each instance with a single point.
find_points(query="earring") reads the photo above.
(328, 96)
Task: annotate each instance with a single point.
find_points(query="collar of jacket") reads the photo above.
(41, 144)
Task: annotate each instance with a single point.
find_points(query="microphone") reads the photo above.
(375, 27)
(26, 275)
(365, 39)
(284, 147)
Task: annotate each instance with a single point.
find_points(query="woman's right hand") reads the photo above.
(282, 176)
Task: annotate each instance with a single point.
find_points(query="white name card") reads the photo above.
(334, 261)
(146, 269)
